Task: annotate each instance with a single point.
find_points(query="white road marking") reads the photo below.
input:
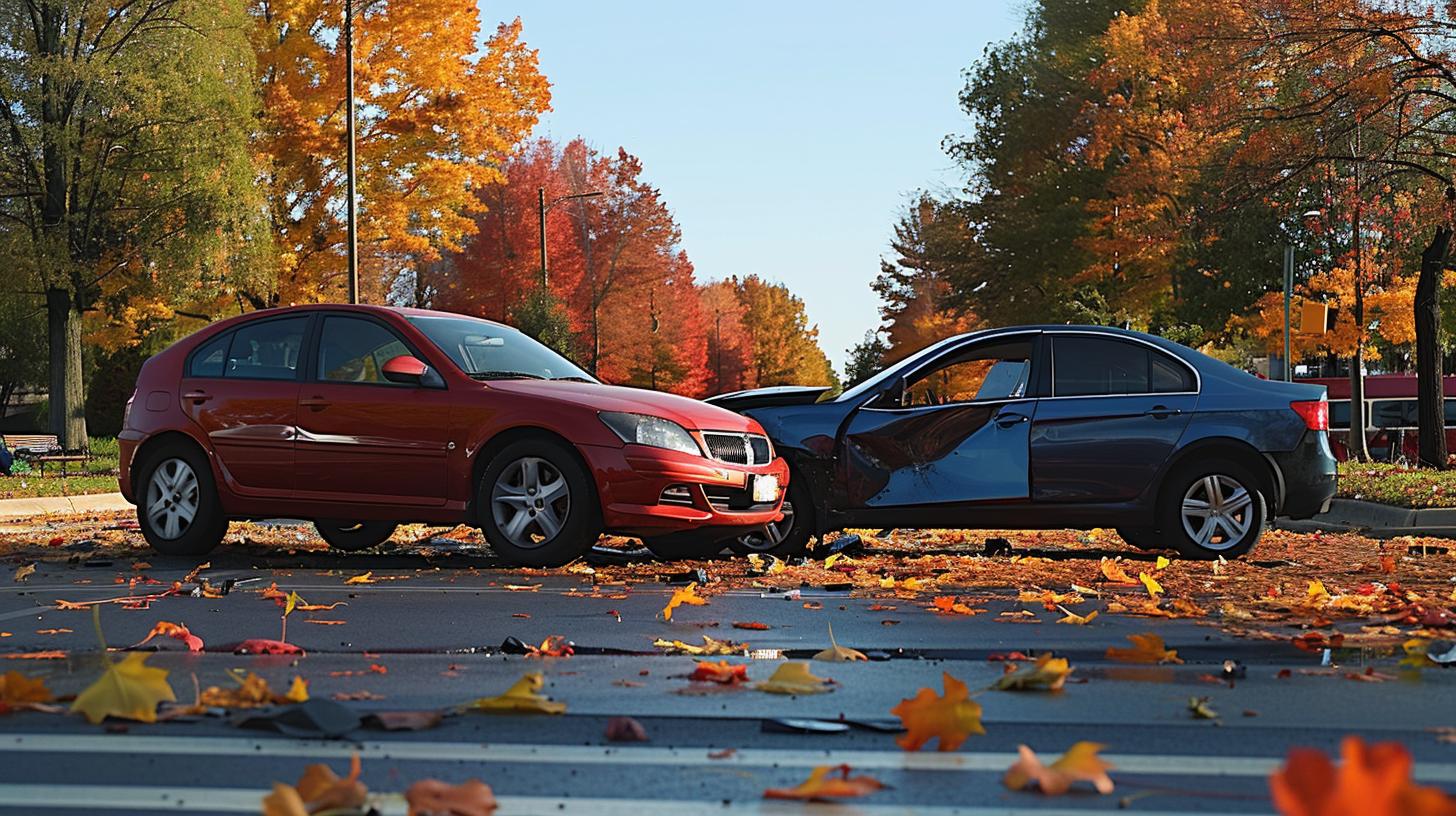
(95, 798)
(1161, 764)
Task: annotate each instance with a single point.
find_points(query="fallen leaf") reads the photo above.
(794, 678)
(267, 646)
(1047, 673)
(308, 607)
(24, 572)
(952, 605)
(522, 698)
(1162, 563)
(726, 753)
(1200, 709)
(721, 672)
(1372, 780)
(128, 689)
(364, 578)
(19, 691)
(822, 786)
(756, 626)
(319, 790)
(431, 797)
(1074, 618)
(838, 654)
(251, 691)
(710, 646)
(1146, 648)
(1316, 593)
(625, 729)
(53, 631)
(1112, 570)
(176, 631)
(948, 718)
(1154, 588)
(1079, 764)
(325, 622)
(687, 595)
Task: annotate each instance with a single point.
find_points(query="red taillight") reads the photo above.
(1315, 413)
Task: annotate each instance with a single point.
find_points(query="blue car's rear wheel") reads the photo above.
(1212, 508)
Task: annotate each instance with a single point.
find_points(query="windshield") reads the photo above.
(490, 351)
(903, 365)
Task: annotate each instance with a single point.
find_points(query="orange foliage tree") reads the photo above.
(438, 113)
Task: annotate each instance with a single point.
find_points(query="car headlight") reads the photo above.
(641, 429)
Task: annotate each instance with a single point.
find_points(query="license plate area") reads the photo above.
(765, 488)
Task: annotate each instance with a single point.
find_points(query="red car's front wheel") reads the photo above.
(537, 505)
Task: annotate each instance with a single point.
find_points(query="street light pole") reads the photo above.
(1288, 296)
(541, 209)
(349, 169)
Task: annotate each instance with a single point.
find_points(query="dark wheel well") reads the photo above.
(1237, 451)
(161, 440)
(499, 442)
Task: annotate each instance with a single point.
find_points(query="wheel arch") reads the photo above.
(156, 442)
(497, 443)
(1271, 482)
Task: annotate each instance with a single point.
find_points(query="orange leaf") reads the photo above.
(16, 688)
(1112, 570)
(687, 595)
(1373, 780)
(318, 790)
(176, 631)
(820, 785)
(428, 797)
(949, 718)
(720, 672)
(756, 626)
(1079, 764)
(1147, 648)
(1048, 672)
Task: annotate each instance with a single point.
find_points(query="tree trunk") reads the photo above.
(1359, 444)
(67, 394)
(1431, 408)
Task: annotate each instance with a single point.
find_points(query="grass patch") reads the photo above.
(95, 476)
(1397, 484)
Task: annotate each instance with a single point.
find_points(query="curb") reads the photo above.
(1378, 520)
(13, 509)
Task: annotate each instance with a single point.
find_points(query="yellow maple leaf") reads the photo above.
(129, 689)
(838, 654)
(1162, 563)
(948, 718)
(1079, 764)
(297, 691)
(687, 595)
(524, 697)
(1047, 673)
(1074, 618)
(1154, 588)
(794, 678)
(1146, 648)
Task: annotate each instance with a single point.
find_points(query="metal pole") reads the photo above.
(353, 248)
(1288, 295)
(541, 212)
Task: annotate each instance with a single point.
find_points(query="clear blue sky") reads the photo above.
(786, 136)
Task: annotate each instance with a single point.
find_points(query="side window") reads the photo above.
(211, 359)
(1340, 413)
(1393, 414)
(1086, 366)
(355, 350)
(988, 371)
(268, 350)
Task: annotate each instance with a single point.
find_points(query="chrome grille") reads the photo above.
(738, 449)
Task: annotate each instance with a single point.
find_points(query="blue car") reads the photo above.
(1043, 427)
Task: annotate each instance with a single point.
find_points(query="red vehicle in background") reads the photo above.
(1391, 429)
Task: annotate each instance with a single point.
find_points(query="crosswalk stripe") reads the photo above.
(540, 753)
(96, 798)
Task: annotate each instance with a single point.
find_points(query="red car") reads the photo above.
(362, 417)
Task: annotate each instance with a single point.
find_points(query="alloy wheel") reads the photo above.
(172, 497)
(530, 502)
(1217, 512)
(772, 533)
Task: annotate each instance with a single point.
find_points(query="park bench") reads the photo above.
(42, 449)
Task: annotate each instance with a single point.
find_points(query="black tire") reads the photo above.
(185, 480)
(353, 536)
(788, 538)
(551, 532)
(694, 545)
(1234, 531)
(1144, 538)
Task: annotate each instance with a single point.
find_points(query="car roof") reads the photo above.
(404, 311)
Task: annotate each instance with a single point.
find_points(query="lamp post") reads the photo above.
(349, 167)
(1307, 217)
(541, 209)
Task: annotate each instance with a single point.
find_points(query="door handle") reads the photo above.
(1006, 419)
(315, 403)
(1161, 412)
(197, 396)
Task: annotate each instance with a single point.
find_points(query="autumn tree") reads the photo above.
(125, 174)
(785, 346)
(866, 358)
(438, 113)
(915, 287)
(729, 350)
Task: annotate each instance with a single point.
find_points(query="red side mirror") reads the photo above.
(404, 369)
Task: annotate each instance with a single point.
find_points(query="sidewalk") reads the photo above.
(12, 509)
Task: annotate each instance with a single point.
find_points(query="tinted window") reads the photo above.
(352, 349)
(1091, 366)
(1339, 413)
(267, 350)
(1451, 412)
(1393, 414)
(209, 360)
(987, 371)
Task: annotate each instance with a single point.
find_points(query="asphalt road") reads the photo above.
(436, 634)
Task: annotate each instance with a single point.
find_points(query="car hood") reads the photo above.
(765, 397)
(689, 413)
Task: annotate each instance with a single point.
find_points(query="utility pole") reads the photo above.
(349, 170)
(1288, 295)
(541, 211)
(718, 344)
